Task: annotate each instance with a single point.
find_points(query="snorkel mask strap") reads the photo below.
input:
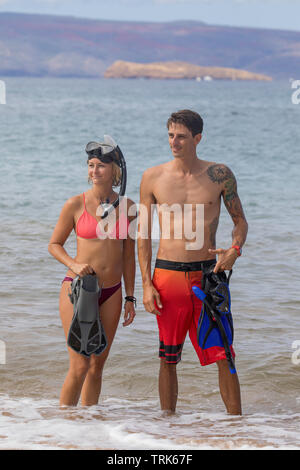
(122, 164)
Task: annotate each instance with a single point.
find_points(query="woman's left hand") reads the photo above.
(129, 313)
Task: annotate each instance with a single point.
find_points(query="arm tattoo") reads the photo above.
(221, 174)
(212, 231)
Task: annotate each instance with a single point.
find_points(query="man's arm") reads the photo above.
(145, 228)
(234, 207)
(147, 201)
(222, 175)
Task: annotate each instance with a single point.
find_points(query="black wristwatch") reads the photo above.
(130, 298)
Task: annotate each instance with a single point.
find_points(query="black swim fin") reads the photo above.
(86, 335)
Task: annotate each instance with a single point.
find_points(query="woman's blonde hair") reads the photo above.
(117, 175)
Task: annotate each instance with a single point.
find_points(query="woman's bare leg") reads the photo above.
(110, 313)
(79, 364)
(71, 389)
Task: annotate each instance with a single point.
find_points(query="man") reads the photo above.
(186, 182)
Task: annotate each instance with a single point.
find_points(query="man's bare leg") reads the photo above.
(168, 386)
(229, 389)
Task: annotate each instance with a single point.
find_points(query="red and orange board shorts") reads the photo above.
(181, 310)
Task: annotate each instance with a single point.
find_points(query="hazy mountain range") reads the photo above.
(44, 45)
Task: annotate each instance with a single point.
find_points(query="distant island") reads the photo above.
(178, 70)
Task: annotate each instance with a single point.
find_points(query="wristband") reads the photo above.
(130, 298)
(238, 249)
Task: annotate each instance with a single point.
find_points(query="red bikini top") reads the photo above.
(88, 227)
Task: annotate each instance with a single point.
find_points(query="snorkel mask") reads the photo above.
(107, 152)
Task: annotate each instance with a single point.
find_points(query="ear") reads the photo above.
(197, 138)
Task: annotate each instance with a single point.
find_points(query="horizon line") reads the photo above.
(146, 21)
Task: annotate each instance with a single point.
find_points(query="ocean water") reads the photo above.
(251, 127)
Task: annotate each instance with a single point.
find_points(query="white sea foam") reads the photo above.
(41, 424)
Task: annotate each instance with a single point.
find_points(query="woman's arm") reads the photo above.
(129, 266)
(129, 269)
(63, 228)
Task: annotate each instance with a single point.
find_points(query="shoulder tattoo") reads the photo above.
(217, 173)
(221, 174)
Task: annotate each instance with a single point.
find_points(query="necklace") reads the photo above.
(106, 203)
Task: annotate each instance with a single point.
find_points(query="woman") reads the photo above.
(109, 257)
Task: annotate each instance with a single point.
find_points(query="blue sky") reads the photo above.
(278, 14)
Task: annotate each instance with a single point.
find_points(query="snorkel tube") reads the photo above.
(107, 152)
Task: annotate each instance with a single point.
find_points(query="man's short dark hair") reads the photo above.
(190, 119)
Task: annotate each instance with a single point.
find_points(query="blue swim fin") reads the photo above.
(215, 327)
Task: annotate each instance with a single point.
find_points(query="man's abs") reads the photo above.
(176, 250)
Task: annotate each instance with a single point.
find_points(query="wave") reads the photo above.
(29, 424)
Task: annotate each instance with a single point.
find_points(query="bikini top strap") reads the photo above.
(83, 199)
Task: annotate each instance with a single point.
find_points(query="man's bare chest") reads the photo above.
(189, 191)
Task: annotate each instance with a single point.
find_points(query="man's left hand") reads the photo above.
(226, 258)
